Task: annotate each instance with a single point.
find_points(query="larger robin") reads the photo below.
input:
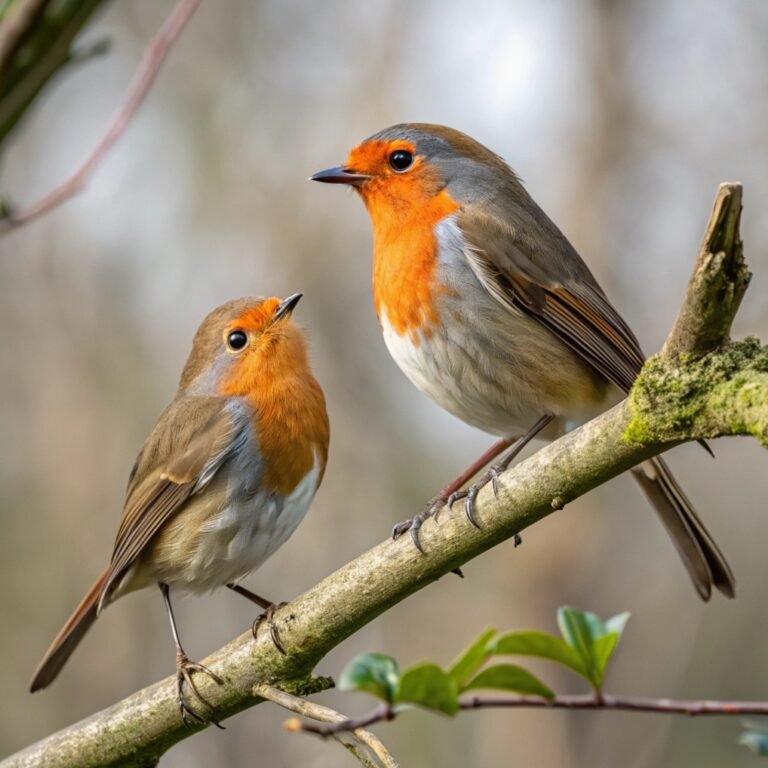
(224, 478)
(490, 311)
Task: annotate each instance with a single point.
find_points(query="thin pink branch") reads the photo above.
(149, 67)
(584, 701)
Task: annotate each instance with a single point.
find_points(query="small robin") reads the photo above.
(224, 478)
(489, 310)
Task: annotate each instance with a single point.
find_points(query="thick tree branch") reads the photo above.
(145, 76)
(137, 730)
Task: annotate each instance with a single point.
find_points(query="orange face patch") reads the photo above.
(256, 318)
(404, 208)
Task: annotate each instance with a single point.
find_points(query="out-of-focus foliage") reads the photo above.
(40, 50)
(755, 737)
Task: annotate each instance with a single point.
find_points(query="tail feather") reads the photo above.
(701, 556)
(69, 637)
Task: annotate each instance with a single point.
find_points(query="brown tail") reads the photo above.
(70, 636)
(703, 559)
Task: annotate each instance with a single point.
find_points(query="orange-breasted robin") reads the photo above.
(489, 310)
(224, 478)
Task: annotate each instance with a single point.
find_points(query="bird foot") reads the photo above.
(184, 671)
(268, 618)
(432, 509)
(470, 494)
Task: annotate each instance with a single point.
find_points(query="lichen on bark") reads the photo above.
(680, 396)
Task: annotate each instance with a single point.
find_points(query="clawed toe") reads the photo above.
(184, 671)
(456, 496)
(432, 509)
(268, 617)
(400, 528)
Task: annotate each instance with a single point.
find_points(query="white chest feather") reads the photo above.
(247, 532)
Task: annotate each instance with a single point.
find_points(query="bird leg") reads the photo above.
(184, 670)
(438, 502)
(268, 615)
(455, 491)
(492, 475)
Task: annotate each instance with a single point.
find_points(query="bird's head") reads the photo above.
(243, 345)
(410, 164)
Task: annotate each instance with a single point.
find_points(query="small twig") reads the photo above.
(324, 714)
(145, 76)
(584, 701)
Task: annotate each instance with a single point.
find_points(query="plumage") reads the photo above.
(227, 473)
(489, 310)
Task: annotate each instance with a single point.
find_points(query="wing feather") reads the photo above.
(157, 493)
(574, 310)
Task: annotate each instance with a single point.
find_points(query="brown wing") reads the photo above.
(191, 440)
(519, 273)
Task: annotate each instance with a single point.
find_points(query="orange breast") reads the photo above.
(292, 425)
(290, 418)
(405, 257)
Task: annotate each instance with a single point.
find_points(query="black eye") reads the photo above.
(401, 160)
(236, 340)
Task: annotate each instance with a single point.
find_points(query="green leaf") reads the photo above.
(374, 673)
(579, 628)
(541, 645)
(430, 687)
(756, 741)
(592, 638)
(510, 677)
(602, 650)
(472, 658)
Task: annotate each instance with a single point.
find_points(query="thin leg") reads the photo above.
(252, 596)
(452, 492)
(491, 476)
(184, 670)
(448, 494)
(268, 615)
(458, 483)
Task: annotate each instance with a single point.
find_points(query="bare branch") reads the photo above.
(718, 283)
(145, 76)
(586, 701)
(324, 715)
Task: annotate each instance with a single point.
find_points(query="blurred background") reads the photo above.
(622, 118)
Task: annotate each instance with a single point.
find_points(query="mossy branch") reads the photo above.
(725, 392)
(690, 391)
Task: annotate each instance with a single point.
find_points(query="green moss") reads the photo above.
(725, 392)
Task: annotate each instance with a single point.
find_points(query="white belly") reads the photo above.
(245, 534)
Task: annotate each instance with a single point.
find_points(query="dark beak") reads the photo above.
(286, 306)
(340, 175)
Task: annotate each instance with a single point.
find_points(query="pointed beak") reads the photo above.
(340, 175)
(286, 306)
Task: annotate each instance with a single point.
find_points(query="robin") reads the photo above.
(224, 478)
(489, 310)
